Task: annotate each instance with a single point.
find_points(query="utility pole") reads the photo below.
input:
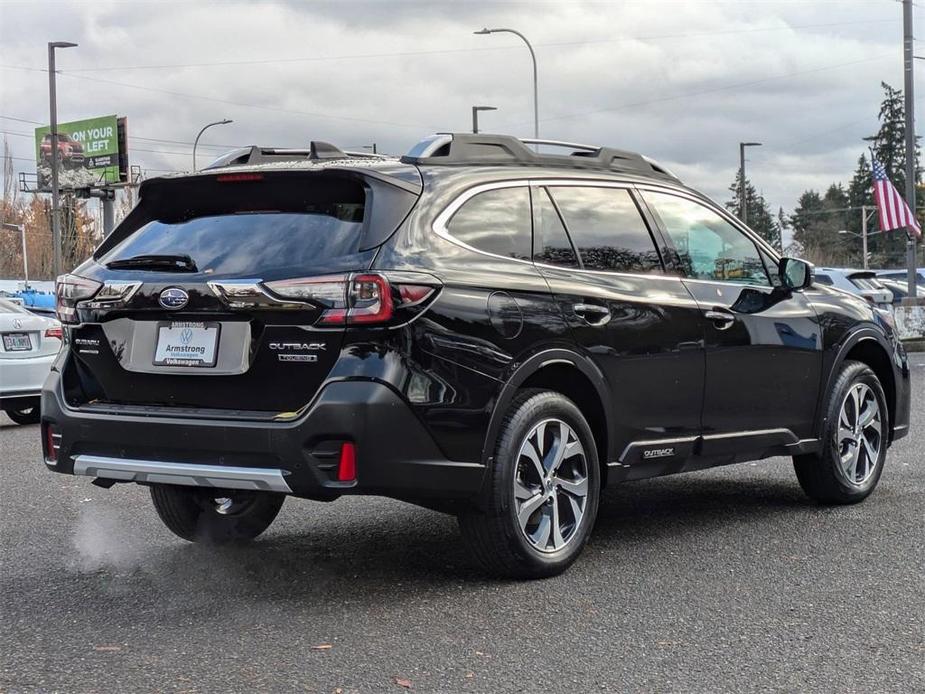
(908, 61)
(864, 234)
(55, 156)
(743, 207)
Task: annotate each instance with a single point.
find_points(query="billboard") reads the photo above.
(91, 153)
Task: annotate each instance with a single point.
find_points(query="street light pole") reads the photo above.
(743, 207)
(536, 107)
(53, 113)
(475, 115)
(196, 141)
(21, 228)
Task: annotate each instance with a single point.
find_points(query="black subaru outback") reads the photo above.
(478, 327)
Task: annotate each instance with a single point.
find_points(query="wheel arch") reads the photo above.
(869, 347)
(574, 376)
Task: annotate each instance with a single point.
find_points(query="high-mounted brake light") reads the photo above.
(69, 289)
(239, 177)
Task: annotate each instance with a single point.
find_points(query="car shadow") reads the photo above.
(402, 552)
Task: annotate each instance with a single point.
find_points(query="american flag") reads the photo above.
(893, 211)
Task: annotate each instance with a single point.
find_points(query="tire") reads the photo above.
(851, 461)
(517, 489)
(25, 415)
(215, 516)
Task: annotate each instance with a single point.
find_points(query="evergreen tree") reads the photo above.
(760, 218)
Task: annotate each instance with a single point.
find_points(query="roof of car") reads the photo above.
(479, 150)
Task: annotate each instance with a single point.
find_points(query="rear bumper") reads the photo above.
(23, 378)
(395, 454)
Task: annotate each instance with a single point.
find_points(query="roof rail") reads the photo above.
(317, 151)
(448, 149)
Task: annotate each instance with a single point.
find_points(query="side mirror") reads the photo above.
(795, 273)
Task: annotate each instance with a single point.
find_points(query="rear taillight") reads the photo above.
(358, 299)
(54, 332)
(52, 441)
(69, 289)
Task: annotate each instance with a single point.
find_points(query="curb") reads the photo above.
(914, 345)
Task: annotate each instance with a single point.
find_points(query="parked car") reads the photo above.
(862, 282)
(899, 289)
(28, 346)
(902, 276)
(477, 328)
(69, 149)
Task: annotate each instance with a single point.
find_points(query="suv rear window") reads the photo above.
(255, 230)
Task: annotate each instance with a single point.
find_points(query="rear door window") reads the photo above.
(606, 227)
(496, 221)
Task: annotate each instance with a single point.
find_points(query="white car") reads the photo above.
(28, 346)
(862, 282)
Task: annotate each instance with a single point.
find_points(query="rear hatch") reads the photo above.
(226, 291)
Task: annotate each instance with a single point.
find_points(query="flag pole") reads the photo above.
(908, 44)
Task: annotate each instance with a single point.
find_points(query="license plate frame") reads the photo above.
(204, 335)
(17, 342)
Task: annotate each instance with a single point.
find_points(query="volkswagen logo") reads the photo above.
(186, 336)
(173, 298)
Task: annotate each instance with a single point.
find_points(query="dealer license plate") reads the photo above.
(185, 343)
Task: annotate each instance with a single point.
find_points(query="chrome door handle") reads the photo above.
(592, 313)
(722, 319)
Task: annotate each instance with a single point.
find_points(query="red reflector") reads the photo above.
(239, 177)
(52, 443)
(347, 468)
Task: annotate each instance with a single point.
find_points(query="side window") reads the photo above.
(496, 221)
(551, 242)
(607, 229)
(770, 267)
(709, 247)
(823, 279)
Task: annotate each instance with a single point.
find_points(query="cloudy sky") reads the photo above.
(680, 80)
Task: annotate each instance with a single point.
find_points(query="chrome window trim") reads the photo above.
(440, 222)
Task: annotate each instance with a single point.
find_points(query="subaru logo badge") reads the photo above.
(173, 298)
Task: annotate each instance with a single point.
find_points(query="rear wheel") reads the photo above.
(215, 516)
(854, 444)
(543, 490)
(25, 415)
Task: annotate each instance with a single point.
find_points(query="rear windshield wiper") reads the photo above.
(167, 263)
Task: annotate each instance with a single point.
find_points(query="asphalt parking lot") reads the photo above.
(725, 580)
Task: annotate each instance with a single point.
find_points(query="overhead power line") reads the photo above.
(701, 92)
(402, 54)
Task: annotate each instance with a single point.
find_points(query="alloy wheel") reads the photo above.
(859, 436)
(551, 485)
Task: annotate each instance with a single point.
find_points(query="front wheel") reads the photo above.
(215, 516)
(854, 443)
(542, 494)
